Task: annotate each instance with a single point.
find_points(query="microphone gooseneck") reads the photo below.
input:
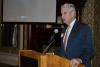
(52, 39)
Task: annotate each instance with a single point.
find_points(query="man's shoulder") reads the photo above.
(84, 26)
(81, 24)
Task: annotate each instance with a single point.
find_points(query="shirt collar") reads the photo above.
(72, 23)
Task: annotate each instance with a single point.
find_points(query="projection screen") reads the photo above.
(29, 11)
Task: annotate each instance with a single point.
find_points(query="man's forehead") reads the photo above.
(64, 9)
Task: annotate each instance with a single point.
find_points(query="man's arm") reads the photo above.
(87, 47)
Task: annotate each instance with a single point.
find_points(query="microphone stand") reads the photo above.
(46, 49)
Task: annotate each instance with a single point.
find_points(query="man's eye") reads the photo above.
(65, 12)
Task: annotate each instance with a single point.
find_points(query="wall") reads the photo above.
(0, 21)
(91, 16)
(97, 34)
(0, 10)
(88, 13)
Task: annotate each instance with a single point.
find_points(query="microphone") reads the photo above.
(53, 36)
(52, 39)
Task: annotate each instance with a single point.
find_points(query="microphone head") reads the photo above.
(56, 31)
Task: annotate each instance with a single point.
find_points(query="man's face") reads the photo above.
(66, 16)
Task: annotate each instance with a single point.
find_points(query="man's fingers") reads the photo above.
(74, 63)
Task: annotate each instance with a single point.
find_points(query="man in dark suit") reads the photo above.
(76, 39)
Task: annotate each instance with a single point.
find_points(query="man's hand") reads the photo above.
(75, 62)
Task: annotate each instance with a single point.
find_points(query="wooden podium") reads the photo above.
(42, 60)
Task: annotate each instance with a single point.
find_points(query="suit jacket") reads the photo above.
(79, 45)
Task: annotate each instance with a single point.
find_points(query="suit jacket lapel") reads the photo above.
(73, 32)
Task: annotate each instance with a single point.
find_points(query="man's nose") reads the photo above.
(62, 16)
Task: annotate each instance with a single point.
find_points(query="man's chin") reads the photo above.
(64, 22)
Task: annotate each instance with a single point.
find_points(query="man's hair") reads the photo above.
(70, 7)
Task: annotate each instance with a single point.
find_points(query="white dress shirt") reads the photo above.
(68, 30)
